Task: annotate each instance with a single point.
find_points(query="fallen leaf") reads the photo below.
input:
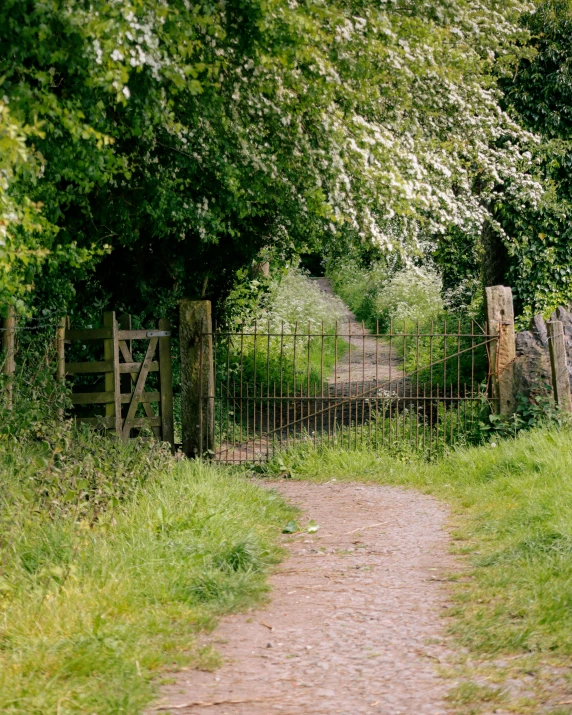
(290, 528)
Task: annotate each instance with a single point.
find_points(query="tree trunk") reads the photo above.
(495, 256)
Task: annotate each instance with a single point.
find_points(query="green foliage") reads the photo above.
(411, 297)
(118, 599)
(538, 93)
(380, 294)
(21, 247)
(276, 336)
(360, 287)
(459, 258)
(429, 427)
(71, 473)
(536, 410)
(248, 297)
(65, 471)
(38, 398)
(184, 138)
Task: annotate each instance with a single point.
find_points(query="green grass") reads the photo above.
(96, 604)
(288, 361)
(512, 526)
(92, 611)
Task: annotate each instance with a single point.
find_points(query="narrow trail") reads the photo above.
(368, 361)
(354, 623)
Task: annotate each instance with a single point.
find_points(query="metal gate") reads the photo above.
(401, 389)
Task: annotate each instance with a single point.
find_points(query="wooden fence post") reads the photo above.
(197, 377)
(500, 319)
(559, 365)
(61, 356)
(61, 350)
(166, 386)
(112, 379)
(9, 347)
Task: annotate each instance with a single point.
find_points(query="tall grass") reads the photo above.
(93, 609)
(278, 343)
(380, 295)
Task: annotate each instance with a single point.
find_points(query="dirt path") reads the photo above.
(354, 623)
(368, 361)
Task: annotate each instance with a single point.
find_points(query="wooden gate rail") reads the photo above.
(117, 345)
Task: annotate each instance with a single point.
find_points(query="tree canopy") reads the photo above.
(151, 148)
(539, 95)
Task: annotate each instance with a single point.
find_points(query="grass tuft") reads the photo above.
(92, 613)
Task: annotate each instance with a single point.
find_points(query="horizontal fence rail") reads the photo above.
(404, 389)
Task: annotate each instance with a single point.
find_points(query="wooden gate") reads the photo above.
(122, 389)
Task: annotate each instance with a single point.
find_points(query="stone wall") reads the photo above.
(532, 364)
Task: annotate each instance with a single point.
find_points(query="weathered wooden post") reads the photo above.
(166, 385)
(61, 356)
(559, 365)
(112, 377)
(61, 350)
(197, 377)
(502, 353)
(9, 347)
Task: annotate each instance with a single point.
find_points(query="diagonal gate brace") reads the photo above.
(126, 352)
(140, 384)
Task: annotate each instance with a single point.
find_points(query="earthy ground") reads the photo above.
(355, 622)
(369, 360)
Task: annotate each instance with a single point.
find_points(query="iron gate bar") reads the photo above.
(336, 400)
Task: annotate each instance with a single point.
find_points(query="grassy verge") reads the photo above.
(95, 605)
(512, 523)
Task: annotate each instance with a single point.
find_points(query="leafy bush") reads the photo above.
(289, 298)
(37, 397)
(381, 294)
(297, 300)
(411, 296)
(67, 472)
(294, 310)
(360, 287)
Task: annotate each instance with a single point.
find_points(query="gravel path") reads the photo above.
(368, 360)
(353, 625)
